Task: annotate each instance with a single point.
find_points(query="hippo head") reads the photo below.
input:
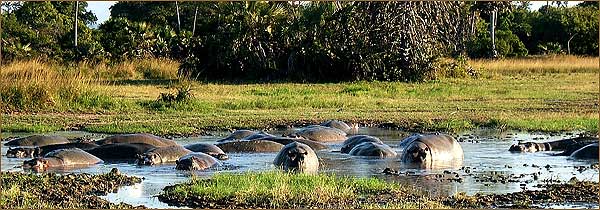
(36, 164)
(418, 153)
(295, 157)
(221, 156)
(21, 152)
(192, 163)
(527, 147)
(150, 158)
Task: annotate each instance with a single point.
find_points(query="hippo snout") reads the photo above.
(222, 157)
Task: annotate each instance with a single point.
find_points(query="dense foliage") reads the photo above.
(315, 41)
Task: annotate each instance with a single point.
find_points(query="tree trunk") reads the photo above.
(178, 22)
(76, 12)
(194, 28)
(569, 44)
(493, 32)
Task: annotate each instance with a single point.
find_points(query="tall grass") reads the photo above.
(539, 64)
(163, 69)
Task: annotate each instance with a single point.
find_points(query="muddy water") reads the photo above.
(486, 159)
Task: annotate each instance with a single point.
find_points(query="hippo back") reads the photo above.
(337, 124)
(120, 151)
(49, 148)
(209, 149)
(170, 153)
(588, 152)
(373, 149)
(250, 146)
(443, 147)
(205, 161)
(73, 156)
(358, 139)
(286, 140)
(37, 140)
(406, 141)
(137, 138)
(321, 133)
(237, 135)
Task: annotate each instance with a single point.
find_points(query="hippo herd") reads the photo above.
(295, 150)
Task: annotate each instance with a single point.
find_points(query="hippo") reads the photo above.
(32, 152)
(62, 158)
(250, 146)
(137, 138)
(568, 145)
(37, 140)
(258, 135)
(286, 140)
(339, 125)
(320, 134)
(588, 152)
(373, 149)
(237, 135)
(431, 151)
(355, 140)
(196, 161)
(209, 149)
(120, 151)
(161, 155)
(404, 142)
(297, 157)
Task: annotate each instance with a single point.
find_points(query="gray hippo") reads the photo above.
(373, 149)
(120, 151)
(320, 134)
(32, 152)
(404, 142)
(209, 149)
(432, 151)
(161, 155)
(286, 140)
(237, 135)
(62, 158)
(297, 157)
(137, 138)
(355, 140)
(249, 146)
(37, 140)
(339, 125)
(258, 135)
(588, 152)
(568, 145)
(196, 161)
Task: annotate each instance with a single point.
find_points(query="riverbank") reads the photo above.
(52, 191)
(536, 98)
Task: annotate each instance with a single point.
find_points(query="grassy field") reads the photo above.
(542, 94)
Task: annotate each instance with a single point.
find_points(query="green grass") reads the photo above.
(542, 97)
(276, 189)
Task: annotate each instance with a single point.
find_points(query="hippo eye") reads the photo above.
(427, 149)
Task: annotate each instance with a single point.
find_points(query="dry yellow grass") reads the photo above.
(546, 64)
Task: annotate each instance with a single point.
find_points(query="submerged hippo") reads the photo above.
(339, 125)
(120, 151)
(209, 149)
(430, 151)
(37, 140)
(62, 158)
(588, 152)
(32, 152)
(137, 138)
(237, 135)
(196, 161)
(320, 134)
(297, 157)
(568, 145)
(250, 146)
(161, 155)
(258, 135)
(286, 140)
(358, 139)
(373, 149)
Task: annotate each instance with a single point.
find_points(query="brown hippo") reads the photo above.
(161, 155)
(250, 146)
(355, 140)
(196, 161)
(209, 149)
(137, 138)
(31, 152)
(320, 134)
(570, 145)
(120, 151)
(237, 135)
(258, 135)
(588, 152)
(373, 149)
(62, 158)
(339, 125)
(286, 140)
(37, 140)
(297, 157)
(430, 151)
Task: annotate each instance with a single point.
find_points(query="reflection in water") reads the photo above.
(488, 157)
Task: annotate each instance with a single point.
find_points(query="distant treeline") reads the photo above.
(301, 41)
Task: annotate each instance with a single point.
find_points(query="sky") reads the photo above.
(102, 11)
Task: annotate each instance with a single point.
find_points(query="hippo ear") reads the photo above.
(36, 151)
(177, 162)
